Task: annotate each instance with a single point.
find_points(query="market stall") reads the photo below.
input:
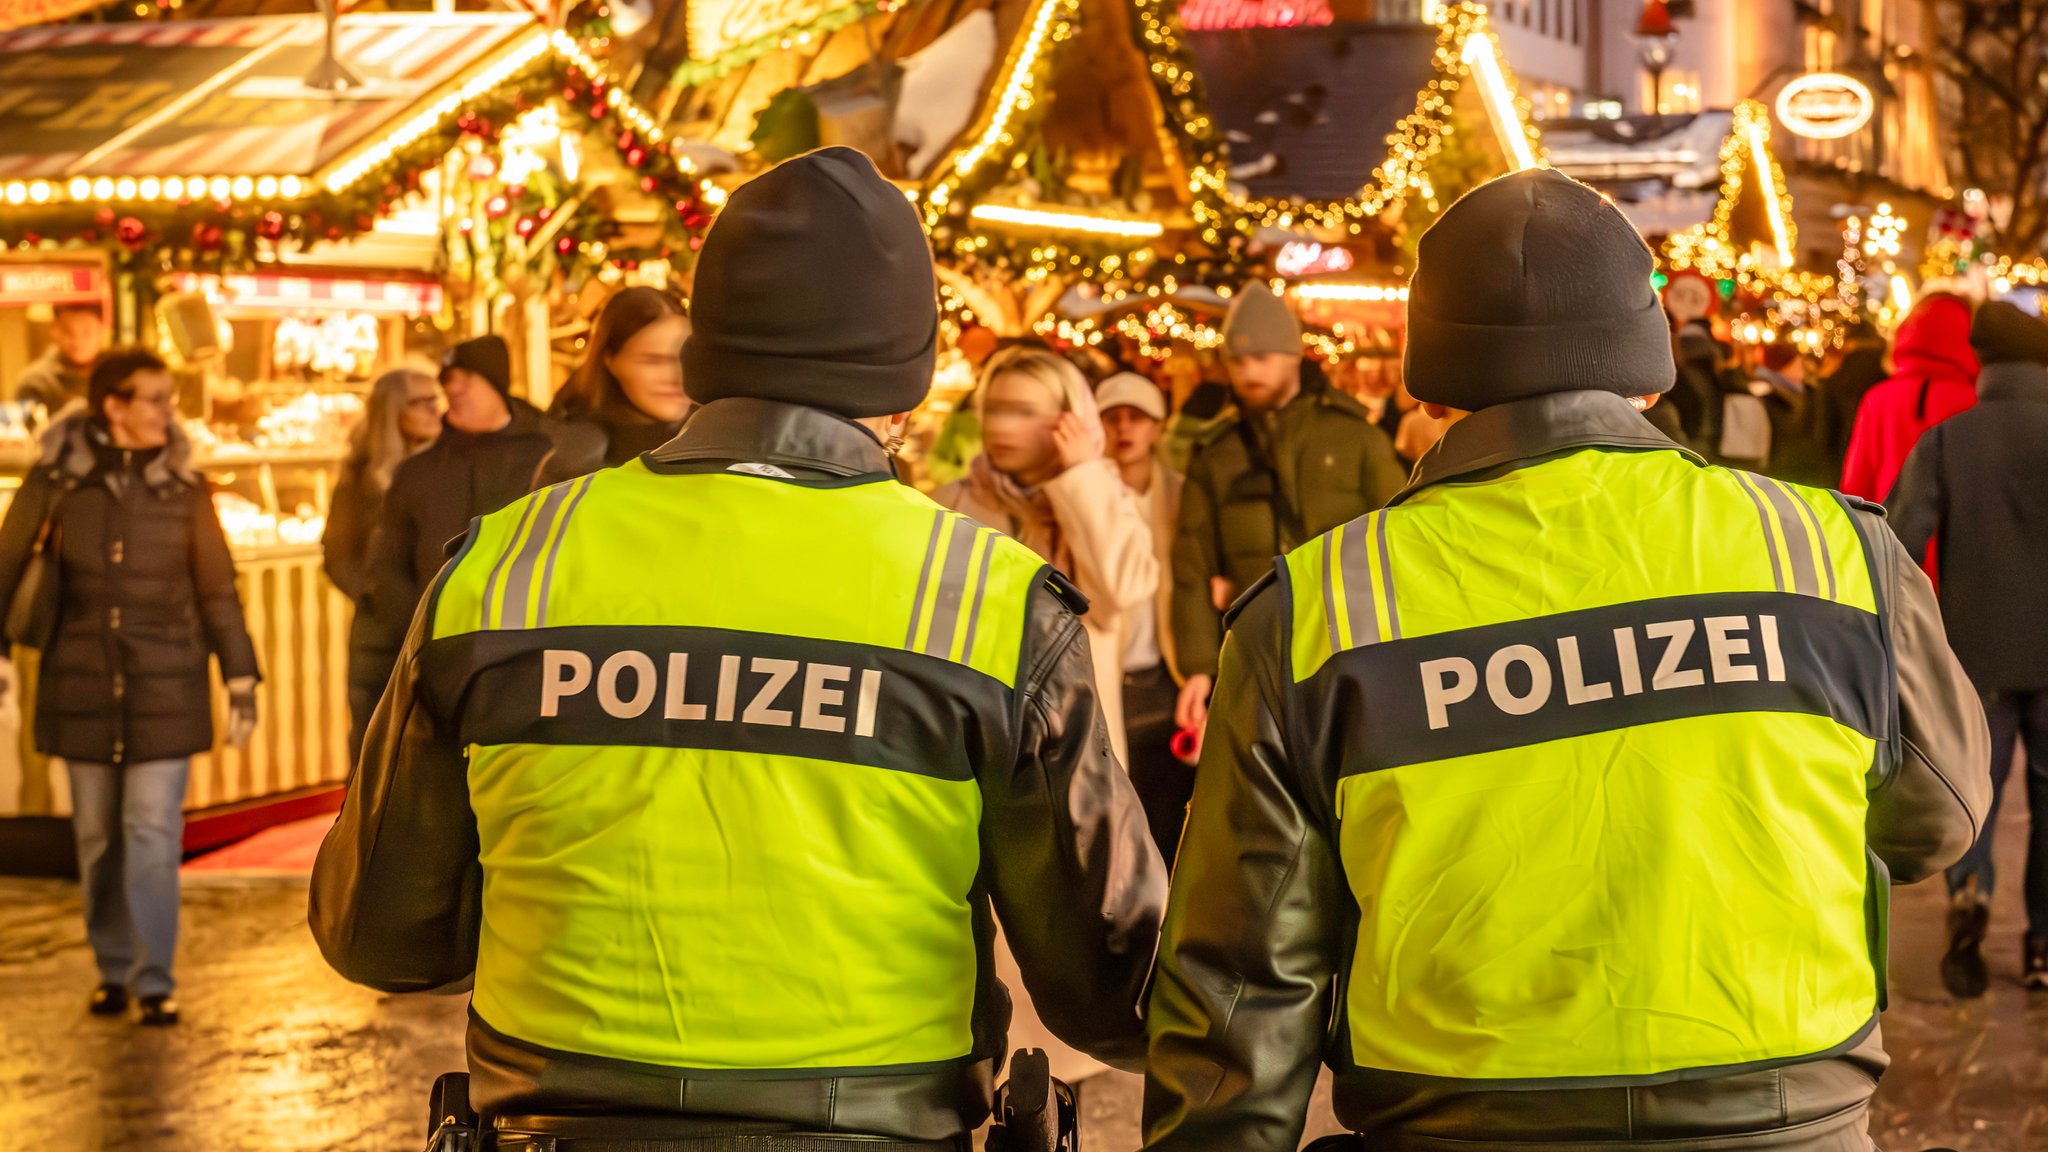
(285, 208)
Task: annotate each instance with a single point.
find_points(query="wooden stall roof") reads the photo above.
(222, 97)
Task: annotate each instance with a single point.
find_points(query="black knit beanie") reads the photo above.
(487, 356)
(1534, 283)
(815, 287)
(2003, 334)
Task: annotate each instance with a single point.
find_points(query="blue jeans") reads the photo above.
(2015, 717)
(130, 824)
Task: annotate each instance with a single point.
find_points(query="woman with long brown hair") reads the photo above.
(403, 416)
(627, 396)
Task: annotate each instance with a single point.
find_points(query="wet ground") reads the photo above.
(276, 1054)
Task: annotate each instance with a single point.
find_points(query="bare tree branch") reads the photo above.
(1991, 56)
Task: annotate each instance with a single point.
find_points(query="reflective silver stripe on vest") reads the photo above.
(1812, 535)
(924, 579)
(519, 577)
(988, 561)
(1349, 554)
(1330, 593)
(1805, 564)
(1387, 575)
(952, 594)
(1359, 608)
(491, 585)
(1764, 518)
(547, 573)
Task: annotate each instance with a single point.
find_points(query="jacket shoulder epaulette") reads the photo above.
(1859, 504)
(1066, 592)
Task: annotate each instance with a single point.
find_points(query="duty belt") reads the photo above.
(685, 1134)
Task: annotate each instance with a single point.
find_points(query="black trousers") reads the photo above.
(1164, 784)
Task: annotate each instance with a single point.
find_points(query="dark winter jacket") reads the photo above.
(1258, 488)
(433, 497)
(351, 523)
(1842, 392)
(1977, 485)
(1696, 397)
(1248, 994)
(1934, 376)
(53, 382)
(146, 594)
(585, 442)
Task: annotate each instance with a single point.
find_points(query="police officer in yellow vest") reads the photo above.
(1557, 803)
(710, 768)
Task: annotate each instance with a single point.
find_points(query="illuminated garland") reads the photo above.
(1462, 36)
(1085, 245)
(694, 72)
(221, 223)
(1710, 248)
(2007, 273)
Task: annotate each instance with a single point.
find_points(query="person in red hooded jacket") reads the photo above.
(1934, 376)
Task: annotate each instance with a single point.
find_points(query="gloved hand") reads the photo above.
(241, 710)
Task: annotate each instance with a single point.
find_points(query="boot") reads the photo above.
(1962, 968)
(2034, 965)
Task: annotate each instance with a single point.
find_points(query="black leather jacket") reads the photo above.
(1247, 999)
(1067, 865)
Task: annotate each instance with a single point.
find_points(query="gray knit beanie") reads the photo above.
(1260, 324)
(1534, 283)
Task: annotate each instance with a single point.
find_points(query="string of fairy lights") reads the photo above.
(1711, 249)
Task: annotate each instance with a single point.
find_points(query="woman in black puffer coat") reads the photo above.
(145, 598)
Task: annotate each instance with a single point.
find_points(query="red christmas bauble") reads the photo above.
(271, 226)
(130, 232)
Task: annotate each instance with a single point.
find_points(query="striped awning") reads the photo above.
(223, 97)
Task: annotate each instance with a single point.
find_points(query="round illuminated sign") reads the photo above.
(1825, 105)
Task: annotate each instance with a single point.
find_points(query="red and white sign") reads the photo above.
(319, 293)
(1214, 15)
(1308, 258)
(25, 284)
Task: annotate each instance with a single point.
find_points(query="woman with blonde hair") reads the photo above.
(1042, 477)
(403, 415)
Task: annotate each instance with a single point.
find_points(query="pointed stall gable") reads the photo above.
(1752, 239)
(1420, 69)
(1039, 238)
(1202, 236)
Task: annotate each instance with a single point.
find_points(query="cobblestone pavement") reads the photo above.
(276, 1054)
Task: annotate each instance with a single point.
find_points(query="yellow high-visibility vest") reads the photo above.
(722, 733)
(1601, 731)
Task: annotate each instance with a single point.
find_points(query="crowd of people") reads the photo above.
(1160, 515)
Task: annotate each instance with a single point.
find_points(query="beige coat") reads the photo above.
(1116, 563)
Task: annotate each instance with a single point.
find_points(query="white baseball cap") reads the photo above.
(1130, 390)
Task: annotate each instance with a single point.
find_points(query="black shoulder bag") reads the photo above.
(32, 614)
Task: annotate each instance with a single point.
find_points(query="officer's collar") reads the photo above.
(1524, 431)
(801, 442)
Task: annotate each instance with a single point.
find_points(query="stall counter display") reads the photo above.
(271, 491)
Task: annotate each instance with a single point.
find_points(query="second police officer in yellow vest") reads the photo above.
(711, 768)
(1557, 803)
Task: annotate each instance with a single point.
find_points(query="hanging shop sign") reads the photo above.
(1825, 105)
(718, 26)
